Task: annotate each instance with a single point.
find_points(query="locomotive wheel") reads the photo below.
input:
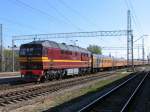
(57, 76)
(42, 80)
(60, 76)
(44, 77)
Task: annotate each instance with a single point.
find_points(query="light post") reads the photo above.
(13, 55)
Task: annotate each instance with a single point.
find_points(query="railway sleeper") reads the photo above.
(18, 99)
(3, 104)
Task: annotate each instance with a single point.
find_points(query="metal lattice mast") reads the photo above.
(72, 34)
(13, 57)
(129, 41)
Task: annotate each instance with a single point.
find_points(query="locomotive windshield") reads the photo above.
(30, 51)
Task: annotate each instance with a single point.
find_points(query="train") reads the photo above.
(46, 60)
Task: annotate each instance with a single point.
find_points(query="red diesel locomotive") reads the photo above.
(43, 60)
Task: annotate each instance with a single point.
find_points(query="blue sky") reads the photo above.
(54, 16)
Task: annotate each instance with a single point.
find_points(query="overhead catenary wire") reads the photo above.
(77, 13)
(18, 23)
(140, 38)
(48, 15)
(134, 16)
(63, 16)
(14, 23)
(73, 34)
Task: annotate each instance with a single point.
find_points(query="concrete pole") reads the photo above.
(13, 61)
(1, 48)
(138, 52)
(143, 52)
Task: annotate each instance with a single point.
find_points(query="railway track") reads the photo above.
(141, 100)
(21, 84)
(4, 87)
(119, 98)
(24, 94)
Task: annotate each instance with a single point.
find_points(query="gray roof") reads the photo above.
(62, 46)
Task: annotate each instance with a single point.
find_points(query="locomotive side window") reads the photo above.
(70, 53)
(65, 52)
(62, 52)
(22, 51)
(76, 53)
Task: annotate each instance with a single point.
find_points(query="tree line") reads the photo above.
(7, 61)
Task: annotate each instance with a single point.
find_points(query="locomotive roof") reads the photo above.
(62, 46)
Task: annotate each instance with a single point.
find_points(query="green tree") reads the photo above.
(94, 49)
(7, 64)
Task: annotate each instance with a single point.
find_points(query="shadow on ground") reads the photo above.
(11, 81)
(79, 102)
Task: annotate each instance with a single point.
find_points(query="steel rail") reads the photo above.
(133, 95)
(108, 93)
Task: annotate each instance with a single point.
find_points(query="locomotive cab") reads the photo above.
(31, 60)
